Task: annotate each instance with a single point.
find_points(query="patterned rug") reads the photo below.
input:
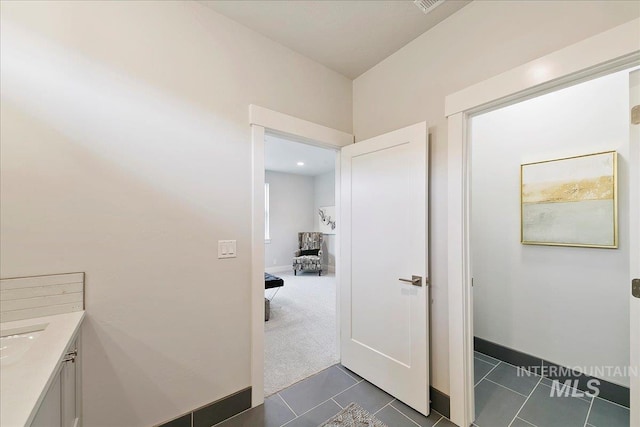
(353, 416)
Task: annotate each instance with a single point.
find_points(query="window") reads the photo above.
(267, 234)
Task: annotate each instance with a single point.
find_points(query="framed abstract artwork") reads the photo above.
(327, 219)
(570, 201)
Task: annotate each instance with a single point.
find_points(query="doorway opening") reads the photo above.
(264, 121)
(551, 315)
(373, 178)
(300, 330)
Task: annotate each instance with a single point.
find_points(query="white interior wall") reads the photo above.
(558, 303)
(294, 201)
(126, 154)
(325, 189)
(482, 40)
(291, 201)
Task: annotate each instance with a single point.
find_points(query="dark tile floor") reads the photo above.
(314, 400)
(506, 399)
(503, 399)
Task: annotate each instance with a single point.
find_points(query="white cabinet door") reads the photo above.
(49, 413)
(68, 386)
(384, 330)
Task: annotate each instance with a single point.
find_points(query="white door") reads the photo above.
(384, 321)
(634, 192)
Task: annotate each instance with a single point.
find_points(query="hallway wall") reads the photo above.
(291, 201)
(126, 154)
(325, 195)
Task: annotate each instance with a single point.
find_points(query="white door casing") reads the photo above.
(384, 321)
(261, 120)
(634, 205)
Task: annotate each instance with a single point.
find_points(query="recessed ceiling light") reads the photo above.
(300, 163)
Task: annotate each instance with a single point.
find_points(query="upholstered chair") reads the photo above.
(308, 257)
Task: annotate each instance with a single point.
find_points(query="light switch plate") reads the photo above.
(226, 249)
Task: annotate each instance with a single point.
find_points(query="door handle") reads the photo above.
(415, 280)
(635, 288)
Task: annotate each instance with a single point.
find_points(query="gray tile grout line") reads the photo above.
(578, 390)
(485, 376)
(306, 412)
(285, 402)
(374, 414)
(484, 361)
(351, 386)
(514, 366)
(504, 386)
(343, 370)
(608, 401)
(334, 401)
(588, 413)
(510, 364)
(433, 410)
(296, 416)
(525, 402)
(320, 404)
(543, 377)
(401, 413)
(358, 381)
(442, 417)
(524, 421)
(485, 355)
(301, 380)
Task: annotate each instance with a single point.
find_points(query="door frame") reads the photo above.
(263, 120)
(604, 53)
(634, 225)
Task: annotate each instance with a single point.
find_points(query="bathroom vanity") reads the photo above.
(40, 357)
(41, 378)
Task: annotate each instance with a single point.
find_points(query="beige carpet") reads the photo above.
(300, 336)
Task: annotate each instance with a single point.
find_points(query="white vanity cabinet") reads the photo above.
(50, 412)
(61, 405)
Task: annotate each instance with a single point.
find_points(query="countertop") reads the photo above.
(23, 384)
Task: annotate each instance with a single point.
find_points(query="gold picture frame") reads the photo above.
(571, 201)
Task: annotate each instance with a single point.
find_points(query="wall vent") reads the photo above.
(427, 6)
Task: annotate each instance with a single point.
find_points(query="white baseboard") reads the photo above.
(278, 269)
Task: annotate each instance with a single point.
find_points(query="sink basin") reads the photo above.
(14, 343)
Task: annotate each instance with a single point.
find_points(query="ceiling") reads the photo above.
(282, 155)
(348, 36)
